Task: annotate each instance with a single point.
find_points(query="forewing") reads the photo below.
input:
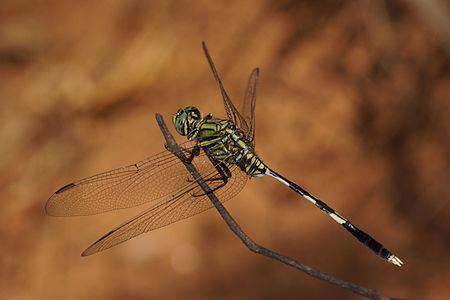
(145, 181)
(248, 109)
(232, 113)
(186, 203)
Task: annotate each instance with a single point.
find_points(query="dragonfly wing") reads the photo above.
(145, 181)
(232, 113)
(248, 109)
(186, 203)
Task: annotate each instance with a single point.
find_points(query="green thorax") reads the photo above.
(225, 142)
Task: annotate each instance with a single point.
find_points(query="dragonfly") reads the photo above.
(222, 150)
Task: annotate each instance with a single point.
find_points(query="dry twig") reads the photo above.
(173, 147)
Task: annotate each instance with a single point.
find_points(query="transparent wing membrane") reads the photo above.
(232, 113)
(161, 180)
(146, 181)
(188, 201)
(248, 109)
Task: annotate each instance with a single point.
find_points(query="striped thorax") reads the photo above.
(220, 138)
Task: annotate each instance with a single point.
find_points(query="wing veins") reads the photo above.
(232, 113)
(76, 198)
(158, 212)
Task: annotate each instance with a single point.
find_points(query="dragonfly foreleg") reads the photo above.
(223, 174)
(191, 154)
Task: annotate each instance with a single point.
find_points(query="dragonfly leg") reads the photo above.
(223, 174)
(191, 154)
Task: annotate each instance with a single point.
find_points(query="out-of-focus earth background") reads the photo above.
(353, 104)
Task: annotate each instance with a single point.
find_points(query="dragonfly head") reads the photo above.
(185, 119)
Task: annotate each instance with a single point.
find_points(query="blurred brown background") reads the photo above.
(353, 104)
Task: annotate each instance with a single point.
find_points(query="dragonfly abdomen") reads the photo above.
(246, 157)
(252, 165)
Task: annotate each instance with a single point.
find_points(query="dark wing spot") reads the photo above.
(64, 188)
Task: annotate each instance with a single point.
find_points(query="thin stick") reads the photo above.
(173, 147)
